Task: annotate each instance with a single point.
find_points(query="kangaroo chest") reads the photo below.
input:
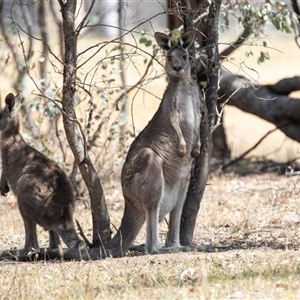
(187, 111)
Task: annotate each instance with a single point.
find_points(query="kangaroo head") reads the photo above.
(177, 63)
(6, 113)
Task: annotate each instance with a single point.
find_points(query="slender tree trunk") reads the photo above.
(123, 103)
(200, 173)
(101, 221)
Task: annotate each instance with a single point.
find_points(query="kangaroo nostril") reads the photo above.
(177, 68)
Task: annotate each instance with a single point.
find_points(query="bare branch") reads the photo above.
(219, 114)
(89, 244)
(83, 22)
(199, 18)
(253, 147)
(28, 25)
(241, 39)
(113, 106)
(54, 101)
(115, 40)
(59, 28)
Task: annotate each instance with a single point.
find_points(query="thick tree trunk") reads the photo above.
(201, 168)
(269, 102)
(101, 221)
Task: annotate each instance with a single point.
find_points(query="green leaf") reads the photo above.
(143, 40)
(287, 29)
(7, 59)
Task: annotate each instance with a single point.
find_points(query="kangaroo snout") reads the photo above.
(177, 66)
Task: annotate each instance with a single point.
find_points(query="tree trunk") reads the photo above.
(269, 102)
(201, 168)
(101, 221)
(220, 148)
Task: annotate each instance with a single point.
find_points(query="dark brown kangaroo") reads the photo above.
(44, 193)
(157, 169)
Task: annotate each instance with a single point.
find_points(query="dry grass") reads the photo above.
(250, 275)
(257, 217)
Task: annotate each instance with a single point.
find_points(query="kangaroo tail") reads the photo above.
(132, 221)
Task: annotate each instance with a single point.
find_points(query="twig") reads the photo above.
(54, 101)
(253, 231)
(115, 40)
(128, 90)
(199, 18)
(82, 23)
(219, 114)
(89, 244)
(232, 47)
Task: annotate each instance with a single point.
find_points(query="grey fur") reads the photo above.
(44, 193)
(156, 173)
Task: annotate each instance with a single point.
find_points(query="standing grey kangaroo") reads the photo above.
(44, 193)
(156, 173)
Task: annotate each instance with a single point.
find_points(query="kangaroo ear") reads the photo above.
(163, 41)
(187, 39)
(10, 101)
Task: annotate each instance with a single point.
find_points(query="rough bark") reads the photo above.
(269, 102)
(101, 221)
(201, 168)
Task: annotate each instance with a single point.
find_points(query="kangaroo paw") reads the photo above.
(4, 189)
(195, 152)
(182, 150)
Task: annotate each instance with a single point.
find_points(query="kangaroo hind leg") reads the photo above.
(173, 235)
(54, 239)
(31, 241)
(132, 221)
(146, 188)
